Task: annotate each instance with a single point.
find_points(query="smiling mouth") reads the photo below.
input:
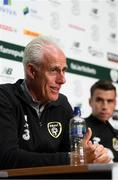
(55, 89)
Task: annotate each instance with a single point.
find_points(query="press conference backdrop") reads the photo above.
(86, 30)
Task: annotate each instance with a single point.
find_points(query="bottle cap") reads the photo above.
(77, 111)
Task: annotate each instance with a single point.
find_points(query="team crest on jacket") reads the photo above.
(115, 143)
(55, 129)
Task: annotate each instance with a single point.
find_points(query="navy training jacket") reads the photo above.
(26, 140)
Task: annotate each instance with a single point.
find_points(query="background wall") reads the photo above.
(85, 29)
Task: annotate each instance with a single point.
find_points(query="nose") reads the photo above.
(105, 104)
(61, 78)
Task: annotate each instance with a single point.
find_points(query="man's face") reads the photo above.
(50, 76)
(103, 104)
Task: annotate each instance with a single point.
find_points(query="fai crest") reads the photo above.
(115, 143)
(55, 129)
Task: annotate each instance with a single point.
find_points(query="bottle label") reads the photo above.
(78, 131)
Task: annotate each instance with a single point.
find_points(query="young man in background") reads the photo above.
(103, 101)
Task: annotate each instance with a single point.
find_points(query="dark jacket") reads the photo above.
(26, 140)
(107, 134)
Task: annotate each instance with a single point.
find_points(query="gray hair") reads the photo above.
(34, 51)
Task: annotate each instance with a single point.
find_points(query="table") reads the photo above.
(88, 171)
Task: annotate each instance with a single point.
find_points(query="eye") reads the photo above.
(110, 100)
(65, 69)
(99, 100)
(54, 69)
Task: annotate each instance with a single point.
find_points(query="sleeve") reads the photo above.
(11, 155)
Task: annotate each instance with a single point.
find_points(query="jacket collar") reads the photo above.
(20, 92)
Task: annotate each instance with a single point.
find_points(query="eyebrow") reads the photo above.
(100, 98)
(57, 67)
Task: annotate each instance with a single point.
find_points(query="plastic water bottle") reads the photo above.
(77, 131)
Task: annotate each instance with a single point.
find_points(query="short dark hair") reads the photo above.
(102, 84)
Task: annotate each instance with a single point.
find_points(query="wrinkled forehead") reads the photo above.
(51, 49)
(52, 54)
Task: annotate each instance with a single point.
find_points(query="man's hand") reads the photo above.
(95, 153)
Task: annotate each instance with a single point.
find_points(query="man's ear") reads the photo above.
(31, 71)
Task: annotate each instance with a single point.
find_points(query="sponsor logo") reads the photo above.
(6, 74)
(95, 34)
(32, 12)
(76, 44)
(95, 52)
(112, 57)
(114, 75)
(82, 68)
(7, 71)
(112, 20)
(113, 37)
(55, 20)
(75, 8)
(112, 2)
(86, 69)
(76, 47)
(76, 27)
(55, 129)
(11, 51)
(8, 11)
(94, 12)
(7, 2)
(31, 33)
(8, 28)
(55, 2)
(25, 10)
